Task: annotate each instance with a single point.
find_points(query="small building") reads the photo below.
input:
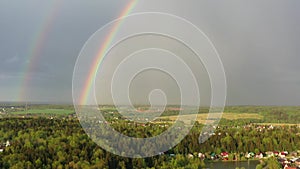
(201, 155)
(7, 143)
(2, 147)
(260, 155)
(294, 154)
(276, 153)
(271, 127)
(224, 154)
(249, 155)
(269, 154)
(283, 154)
(293, 160)
(213, 156)
(190, 155)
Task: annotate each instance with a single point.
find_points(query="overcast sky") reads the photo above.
(258, 42)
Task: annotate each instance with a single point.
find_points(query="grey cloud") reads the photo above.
(258, 42)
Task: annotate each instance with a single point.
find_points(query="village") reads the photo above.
(288, 160)
(233, 129)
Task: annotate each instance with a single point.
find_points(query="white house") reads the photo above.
(7, 143)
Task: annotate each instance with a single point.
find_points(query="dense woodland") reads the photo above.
(41, 142)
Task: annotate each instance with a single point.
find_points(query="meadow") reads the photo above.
(44, 112)
(201, 118)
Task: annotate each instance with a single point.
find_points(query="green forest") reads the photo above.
(58, 140)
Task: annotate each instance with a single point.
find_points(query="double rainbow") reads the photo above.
(38, 44)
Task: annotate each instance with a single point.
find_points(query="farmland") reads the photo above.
(201, 118)
(44, 112)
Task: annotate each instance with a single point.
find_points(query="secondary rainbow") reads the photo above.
(35, 49)
(101, 54)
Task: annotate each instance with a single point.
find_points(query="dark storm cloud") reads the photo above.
(258, 42)
(21, 22)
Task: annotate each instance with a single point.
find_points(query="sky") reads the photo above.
(258, 43)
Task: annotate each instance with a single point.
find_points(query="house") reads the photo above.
(276, 153)
(269, 154)
(293, 160)
(190, 155)
(283, 154)
(260, 155)
(224, 154)
(201, 155)
(271, 127)
(7, 143)
(249, 155)
(294, 154)
(283, 161)
(2, 147)
(213, 156)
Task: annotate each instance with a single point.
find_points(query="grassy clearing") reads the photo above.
(201, 118)
(277, 124)
(45, 111)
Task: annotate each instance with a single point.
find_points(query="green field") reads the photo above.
(45, 112)
(255, 114)
(202, 118)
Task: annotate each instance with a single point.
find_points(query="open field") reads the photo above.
(277, 124)
(46, 112)
(201, 118)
